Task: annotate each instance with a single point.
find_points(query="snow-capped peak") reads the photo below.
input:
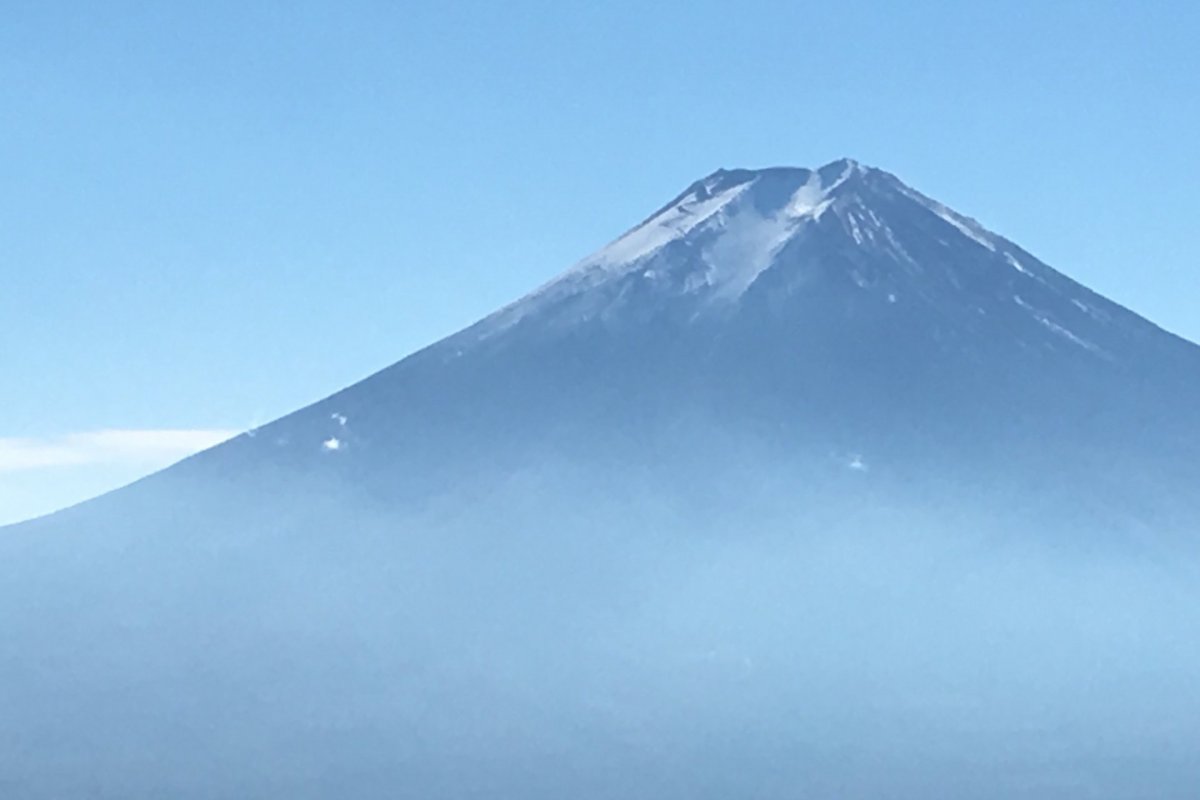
(712, 241)
(769, 202)
(852, 230)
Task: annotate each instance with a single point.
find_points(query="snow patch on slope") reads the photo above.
(744, 250)
(1053, 326)
(1015, 264)
(668, 226)
(740, 239)
(965, 225)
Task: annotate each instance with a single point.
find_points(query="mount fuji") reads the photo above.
(805, 486)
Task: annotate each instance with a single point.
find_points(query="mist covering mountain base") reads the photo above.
(807, 486)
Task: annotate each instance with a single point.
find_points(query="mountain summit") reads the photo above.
(807, 485)
(759, 236)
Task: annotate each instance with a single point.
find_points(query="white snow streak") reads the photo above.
(1017, 265)
(1054, 326)
(674, 223)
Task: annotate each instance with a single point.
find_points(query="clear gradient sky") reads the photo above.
(213, 213)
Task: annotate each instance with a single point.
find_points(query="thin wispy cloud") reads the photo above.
(110, 446)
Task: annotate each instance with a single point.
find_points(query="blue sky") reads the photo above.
(213, 213)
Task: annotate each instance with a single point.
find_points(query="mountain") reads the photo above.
(807, 485)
